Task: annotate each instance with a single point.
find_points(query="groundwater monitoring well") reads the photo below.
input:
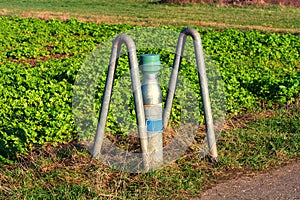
(151, 118)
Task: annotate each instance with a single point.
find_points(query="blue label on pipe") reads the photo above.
(154, 125)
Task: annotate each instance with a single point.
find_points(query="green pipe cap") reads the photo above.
(150, 63)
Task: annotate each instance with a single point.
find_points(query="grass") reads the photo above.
(270, 18)
(250, 143)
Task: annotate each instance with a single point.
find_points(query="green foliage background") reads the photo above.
(39, 61)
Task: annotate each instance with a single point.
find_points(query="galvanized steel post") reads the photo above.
(152, 98)
(138, 99)
(203, 86)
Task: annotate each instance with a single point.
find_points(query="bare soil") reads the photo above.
(281, 183)
(294, 3)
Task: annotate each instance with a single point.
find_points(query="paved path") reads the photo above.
(282, 183)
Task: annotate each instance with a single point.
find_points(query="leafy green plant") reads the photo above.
(40, 59)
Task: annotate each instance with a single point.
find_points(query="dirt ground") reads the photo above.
(282, 183)
(295, 3)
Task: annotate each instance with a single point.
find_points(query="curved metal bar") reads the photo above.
(136, 87)
(203, 86)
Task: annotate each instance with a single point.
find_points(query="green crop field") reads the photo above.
(138, 12)
(40, 158)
